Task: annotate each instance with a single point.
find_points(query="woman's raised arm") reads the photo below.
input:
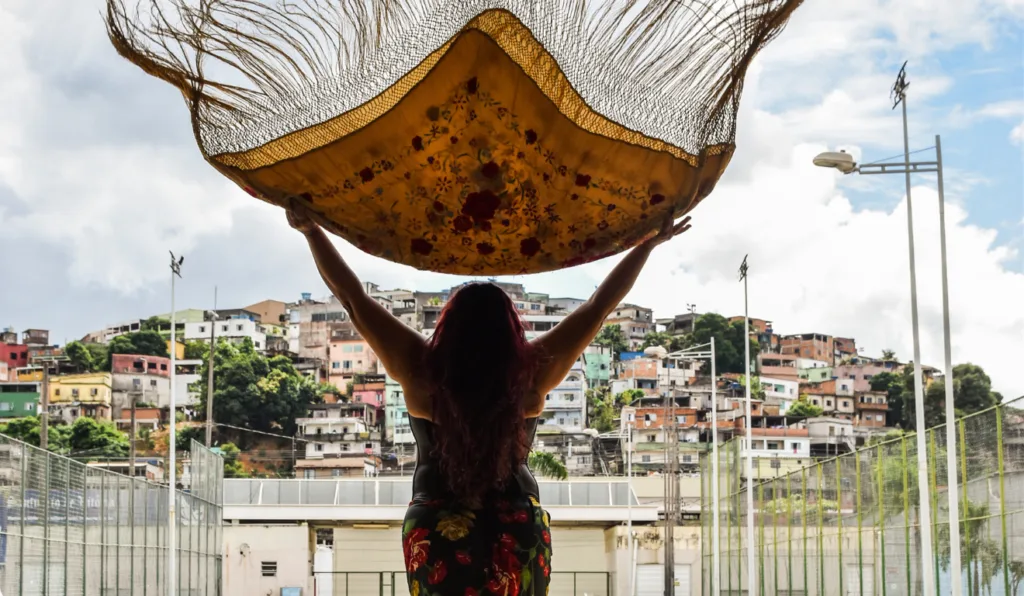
(561, 346)
(399, 347)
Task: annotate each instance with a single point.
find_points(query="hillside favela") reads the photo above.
(315, 454)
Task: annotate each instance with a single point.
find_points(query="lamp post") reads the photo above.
(209, 374)
(707, 352)
(845, 164)
(627, 421)
(172, 554)
(749, 460)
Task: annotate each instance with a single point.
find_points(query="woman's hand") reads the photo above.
(669, 230)
(298, 217)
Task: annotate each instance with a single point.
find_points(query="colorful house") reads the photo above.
(73, 396)
(18, 400)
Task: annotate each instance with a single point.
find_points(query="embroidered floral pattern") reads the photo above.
(443, 558)
(475, 171)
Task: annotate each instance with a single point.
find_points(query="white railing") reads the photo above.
(361, 492)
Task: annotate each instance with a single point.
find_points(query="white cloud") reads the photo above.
(1017, 134)
(99, 163)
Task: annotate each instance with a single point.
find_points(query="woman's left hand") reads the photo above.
(669, 230)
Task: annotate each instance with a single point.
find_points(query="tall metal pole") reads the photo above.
(955, 573)
(44, 414)
(749, 460)
(209, 375)
(172, 552)
(629, 505)
(716, 556)
(924, 504)
(131, 432)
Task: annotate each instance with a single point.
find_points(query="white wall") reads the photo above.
(810, 363)
(288, 546)
(232, 329)
(780, 389)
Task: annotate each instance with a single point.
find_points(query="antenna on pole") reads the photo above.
(743, 268)
(898, 93)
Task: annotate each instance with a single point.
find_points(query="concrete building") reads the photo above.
(651, 435)
(844, 348)
(862, 370)
(370, 392)
(635, 321)
(872, 407)
(815, 346)
(146, 379)
(234, 330)
(597, 362)
(347, 358)
(815, 375)
(681, 324)
(565, 407)
(638, 373)
(6, 373)
(565, 305)
(87, 395)
(186, 391)
(270, 312)
(396, 416)
(830, 435)
(18, 400)
(773, 443)
(778, 366)
(14, 354)
(144, 418)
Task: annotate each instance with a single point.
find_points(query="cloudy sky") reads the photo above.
(100, 177)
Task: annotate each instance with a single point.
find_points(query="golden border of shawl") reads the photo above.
(522, 47)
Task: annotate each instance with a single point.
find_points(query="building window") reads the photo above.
(646, 459)
(30, 407)
(650, 438)
(336, 472)
(136, 384)
(238, 327)
(6, 407)
(368, 446)
(319, 447)
(347, 364)
(152, 383)
(828, 403)
(74, 393)
(56, 392)
(335, 365)
(345, 446)
(269, 568)
(202, 329)
(163, 367)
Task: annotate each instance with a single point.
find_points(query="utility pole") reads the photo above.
(671, 504)
(172, 513)
(209, 375)
(44, 414)
(131, 442)
(749, 460)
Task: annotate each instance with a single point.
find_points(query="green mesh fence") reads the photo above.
(70, 529)
(850, 525)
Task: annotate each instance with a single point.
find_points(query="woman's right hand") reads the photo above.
(298, 217)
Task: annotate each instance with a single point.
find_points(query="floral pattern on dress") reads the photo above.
(503, 549)
(478, 190)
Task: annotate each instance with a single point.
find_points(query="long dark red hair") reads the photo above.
(482, 368)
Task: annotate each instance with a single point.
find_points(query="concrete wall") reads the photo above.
(247, 547)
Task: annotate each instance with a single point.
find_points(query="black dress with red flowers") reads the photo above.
(502, 547)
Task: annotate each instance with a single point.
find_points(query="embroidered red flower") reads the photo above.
(366, 174)
(656, 199)
(602, 225)
(421, 247)
(582, 180)
(544, 565)
(521, 517)
(529, 247)
(416, 548)
(507, 541)
(490, 170)
(471, 592)
(454, 140)
(438, 206)
(471, 86)
(546, 536)
(485, 248)
(481, 205)
(611, 206)
(417, 143)
(461, 223)
(531, 137)
(505, 572)
(463, 558)
(485, 226)
(437, 574)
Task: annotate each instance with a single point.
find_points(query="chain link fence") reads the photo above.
(70, 529)
(849, 525)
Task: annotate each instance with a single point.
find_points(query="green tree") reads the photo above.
(143, 343)
(657, 338)
(232, 465)
(255, 392)
(89, 437)
(79, 357)
(611, 337)
(894, 386)
(184, 436)
(601, 409)
(804, 408)
(977, 549)
(28, 430)
(888, 356)
(628, 396)
(154, 324)
(196, 350)
(729, 341)
(756, 390)
(547, 465)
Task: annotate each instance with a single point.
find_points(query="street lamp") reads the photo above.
(846, 164)
(209, 375)
(172, 554)
(707, 352)
(749, 460)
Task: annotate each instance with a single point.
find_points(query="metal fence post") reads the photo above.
(1002, 495)
(963, 472)
(21, 540)
(46, 524)
(67, 523)
(881, 519)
